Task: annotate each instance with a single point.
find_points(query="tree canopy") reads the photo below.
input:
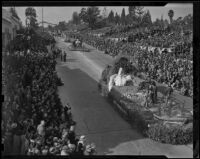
(30, 14)
(75, 18)
(123, 16)
(111, 17)
(14, 13)
(90, 15)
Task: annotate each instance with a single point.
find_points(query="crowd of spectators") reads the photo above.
(169, 62)
(34, 121)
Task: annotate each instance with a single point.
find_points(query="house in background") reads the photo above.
(10, 25)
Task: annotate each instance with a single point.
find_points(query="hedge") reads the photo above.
(172, 135)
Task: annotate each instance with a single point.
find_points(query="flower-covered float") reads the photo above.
(153, 108)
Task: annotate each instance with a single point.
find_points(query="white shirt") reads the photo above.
(40, 129)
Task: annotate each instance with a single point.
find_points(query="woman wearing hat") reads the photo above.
(65, 151)
(90, 150)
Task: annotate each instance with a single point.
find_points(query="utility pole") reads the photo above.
(42, 20)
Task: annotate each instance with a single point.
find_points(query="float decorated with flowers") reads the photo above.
(155, 109)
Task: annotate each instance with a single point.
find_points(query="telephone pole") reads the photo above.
(42, 20)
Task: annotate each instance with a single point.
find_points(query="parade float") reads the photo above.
(76, 45)
(150, 107)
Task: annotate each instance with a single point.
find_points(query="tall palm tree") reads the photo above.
(31, 15)
(171, 15)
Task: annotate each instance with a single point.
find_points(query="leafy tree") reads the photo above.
(166, 23)
(14, 13)
(62, 25)
(104, 13)
(75, 18)
(31, 15)
(83, 14)
(157, 22)
(117, 18)
(131, 10)
(135, 14)
(90, 16)
(146, 21)
(162, 22)
(179, 19)
(139, 13)
(123, 16)
(171, 15)
(50, 27)
(111, 17)
(188, 19)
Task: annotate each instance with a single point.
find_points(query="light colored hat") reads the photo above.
(37, 151)
(44, 151)
(173, 103)
(64, 153)
(14, 125)
(52, 149)
(71, 146)
(82, 137)
(65, 147)
(42, 122)
(55, 144)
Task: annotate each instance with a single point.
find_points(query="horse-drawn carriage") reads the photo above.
(77, 45)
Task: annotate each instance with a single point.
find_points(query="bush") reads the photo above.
(137, 120)
(172, 135)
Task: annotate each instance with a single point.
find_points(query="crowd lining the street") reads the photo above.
(34, 121)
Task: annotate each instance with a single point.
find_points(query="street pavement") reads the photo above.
(95, 117)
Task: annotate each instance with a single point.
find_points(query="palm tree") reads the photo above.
(171, 15)
(31, 15)
(30, 12)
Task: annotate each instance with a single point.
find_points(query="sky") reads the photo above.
(56, 14)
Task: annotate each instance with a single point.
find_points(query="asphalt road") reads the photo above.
(95, 117)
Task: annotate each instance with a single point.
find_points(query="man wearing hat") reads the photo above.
(81, 145)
